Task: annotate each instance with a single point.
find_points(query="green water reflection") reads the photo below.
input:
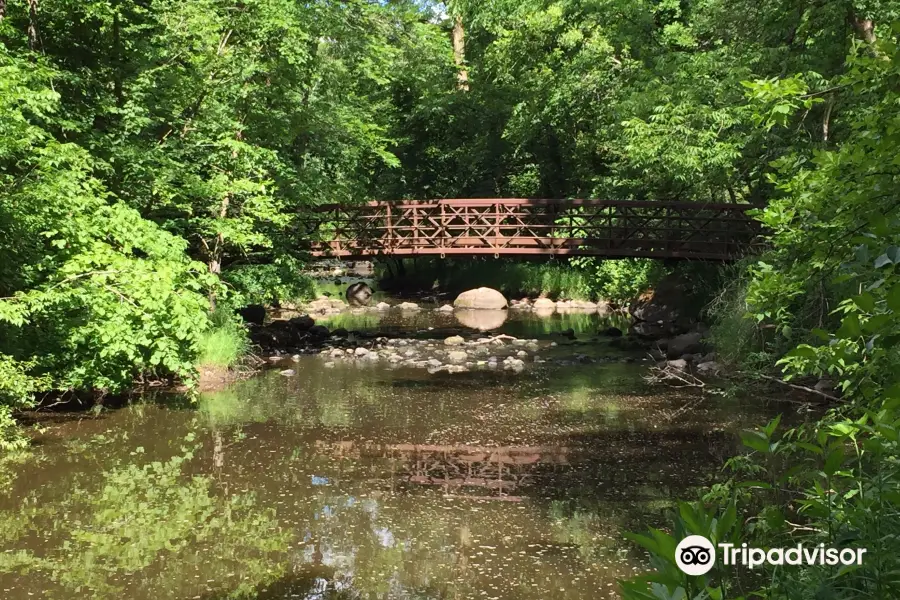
(359, 482)
(512, 322)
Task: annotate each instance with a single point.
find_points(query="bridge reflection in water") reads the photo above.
(459, 470)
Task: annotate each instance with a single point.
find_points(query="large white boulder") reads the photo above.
(481, 298)
(544, 304)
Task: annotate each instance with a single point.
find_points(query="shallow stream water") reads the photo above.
(365, 481)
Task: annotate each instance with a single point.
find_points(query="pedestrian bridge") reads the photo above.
(532, 227)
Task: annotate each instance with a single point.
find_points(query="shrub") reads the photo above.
(224, 343)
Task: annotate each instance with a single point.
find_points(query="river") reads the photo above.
(368, 480)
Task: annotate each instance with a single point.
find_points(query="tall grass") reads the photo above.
(224, 344)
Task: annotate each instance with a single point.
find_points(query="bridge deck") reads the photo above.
(528, 227)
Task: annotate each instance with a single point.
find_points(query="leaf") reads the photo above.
(843, 429)
(821, 334)
(772, 426)
(729, 518)
(802, 351)
(850, 327)
(755, 484)
(893, 298)
(865, 301)
(755, 440)
(834, 460)
(893, 253)
(810, 447)
(882, 261)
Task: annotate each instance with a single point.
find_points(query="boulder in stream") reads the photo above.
(302, 323)
(482, 298)
(318, 331)
(544, 304)
(688, 343)
(255, 314)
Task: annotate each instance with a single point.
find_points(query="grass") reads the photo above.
(224, 344)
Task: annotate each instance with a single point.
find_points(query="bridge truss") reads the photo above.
(529, 227)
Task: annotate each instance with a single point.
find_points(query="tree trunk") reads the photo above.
(865, 28)
(826, 121)
(32, 25)
(117, 60)
(2, 9)
(215, 253)
(459, 52)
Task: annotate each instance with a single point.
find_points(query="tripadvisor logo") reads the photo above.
(696, 555)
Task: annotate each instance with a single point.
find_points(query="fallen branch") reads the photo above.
(673, 378)
(502, 336)
(802, 388)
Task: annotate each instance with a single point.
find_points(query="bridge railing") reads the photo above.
(514, 226)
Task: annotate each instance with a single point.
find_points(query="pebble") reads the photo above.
(457, 356)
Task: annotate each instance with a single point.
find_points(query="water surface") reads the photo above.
(364, 482)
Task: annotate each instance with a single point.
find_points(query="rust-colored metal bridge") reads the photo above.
(523, 227)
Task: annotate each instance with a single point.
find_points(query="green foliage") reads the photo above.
(16, 389)
(271, 284)
(668, 582)
(621, 280)
(828, 292)
(91, 294)
(224, 344)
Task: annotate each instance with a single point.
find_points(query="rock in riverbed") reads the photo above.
(457, 356)
(482, 298)
(543, 304)
(708, 369)
(688, 343)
